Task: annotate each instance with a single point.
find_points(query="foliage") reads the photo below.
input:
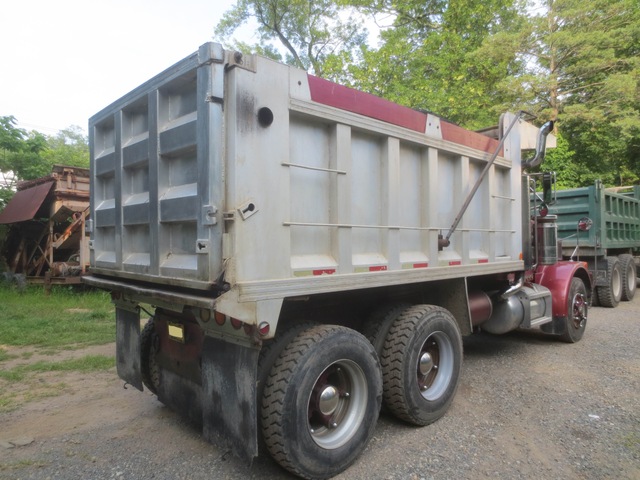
(313, 34)
(570, 171)
(28, 155)
(20, 156)
(582, 67)
(67, 147)
(429, 57)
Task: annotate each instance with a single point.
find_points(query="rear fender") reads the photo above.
(557, 278)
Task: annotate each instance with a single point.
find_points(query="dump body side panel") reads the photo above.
(324, 193)
(616, 219)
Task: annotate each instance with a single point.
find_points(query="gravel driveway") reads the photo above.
(527, 407)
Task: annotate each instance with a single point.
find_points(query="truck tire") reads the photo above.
(148, 365)
(321, 401)
(610, 295)
(269, 354)
(421, 363)
(378, 324)
(577, 312)
(629, 280)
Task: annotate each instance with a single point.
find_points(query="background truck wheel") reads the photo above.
(148, 348)
(321, 401)
(610, 295)
(629, 280)
(577, 310)
(421, 363)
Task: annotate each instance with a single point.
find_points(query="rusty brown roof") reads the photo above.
(25, 203)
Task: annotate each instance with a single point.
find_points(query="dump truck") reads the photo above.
(611, 244)
(308, 252)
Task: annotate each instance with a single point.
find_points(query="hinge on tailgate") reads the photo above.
(239, 60)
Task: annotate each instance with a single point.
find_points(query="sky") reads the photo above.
(61, 61)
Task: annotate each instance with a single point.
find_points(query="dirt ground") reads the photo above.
(527, 407)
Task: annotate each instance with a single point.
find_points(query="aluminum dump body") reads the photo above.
(615, 215)
(245, 172)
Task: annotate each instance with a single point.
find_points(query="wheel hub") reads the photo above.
(426, 363)
(329, 399)
(336, 404)
(579, 310)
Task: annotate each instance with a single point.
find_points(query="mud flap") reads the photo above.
(128, 347)
(229, 410)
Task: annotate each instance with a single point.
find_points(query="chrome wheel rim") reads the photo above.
(435, 366)
(578, 311)
(337, 404)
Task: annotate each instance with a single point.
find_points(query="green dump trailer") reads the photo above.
(601, 226)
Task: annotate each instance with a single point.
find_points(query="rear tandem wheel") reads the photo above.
(321, 401)
(421, 362)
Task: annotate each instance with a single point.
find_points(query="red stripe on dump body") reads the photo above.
(362, 103)
(345, 98)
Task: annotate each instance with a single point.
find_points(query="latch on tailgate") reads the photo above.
(209, 215)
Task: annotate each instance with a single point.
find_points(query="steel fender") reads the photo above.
(557, 278)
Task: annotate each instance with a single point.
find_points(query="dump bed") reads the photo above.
(615, 215)
(232, 172)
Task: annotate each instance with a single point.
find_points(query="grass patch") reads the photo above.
(66, 317)
(88, 363)
(5, 356)
(32, 322)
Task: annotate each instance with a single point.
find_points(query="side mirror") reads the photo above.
(547, 188)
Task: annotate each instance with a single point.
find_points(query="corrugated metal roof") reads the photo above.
(25, 203)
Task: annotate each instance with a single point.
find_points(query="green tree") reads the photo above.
(28, 155)
(312, 33)
(582, 68)
(20, 156)
(68, 147)
(429, 57)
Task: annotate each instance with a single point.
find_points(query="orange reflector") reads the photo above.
(220, 318)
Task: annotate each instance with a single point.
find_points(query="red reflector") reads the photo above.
(263, 328)
(327, 271)
(248, 329)
(455, 262)
(235, 323)
(378, 268)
